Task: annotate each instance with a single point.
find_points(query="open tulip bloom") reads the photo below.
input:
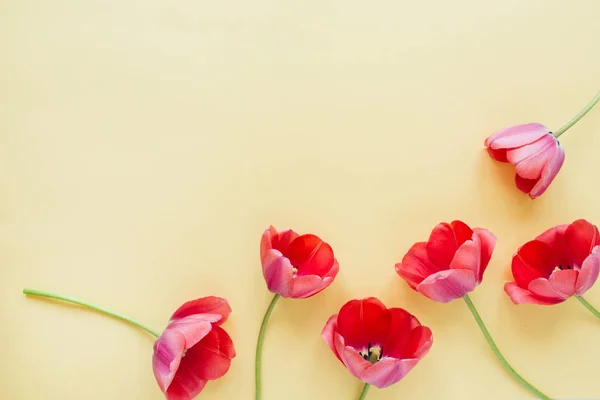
(560, 263)
(191, 351)
(294, 266)
(378, 345)
(449, 266)
(534, 151)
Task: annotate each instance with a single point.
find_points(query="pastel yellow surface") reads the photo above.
(146, 145)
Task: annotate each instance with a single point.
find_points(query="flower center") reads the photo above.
(184, 352)
(560, 267)
(372, 354)
(294, 270)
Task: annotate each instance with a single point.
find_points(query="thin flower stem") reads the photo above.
(363, 394)
(259, 344)
(588, 306)
(499, 355)
(576, 118)
(39, 293)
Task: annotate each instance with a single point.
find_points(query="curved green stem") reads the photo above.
(576, 118)
(588, 306)
(363, 394)
(39, 293)
(499, 355)
(259, 344)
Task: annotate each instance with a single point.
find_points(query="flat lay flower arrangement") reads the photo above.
(379, 344)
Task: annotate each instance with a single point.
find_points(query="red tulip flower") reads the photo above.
(449, 266)
(193, 349)
(534, 151)
(377, 345)
(294, 266)
(562, 262)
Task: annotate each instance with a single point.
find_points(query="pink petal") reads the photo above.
(549, 173)
(204, 305)
(168, 350)
(533, 158)
(488, 243)
(387, 371)
(308, 285)
(350, 357)
(194, 327)
(468, 257)
(564, 281)
(277, 271)
(278, 240)
(329, 332)
(542, 287)
(589, 272)
(516, 136)
(519, 295)
(415, 265)
(211, 358)
(448, 285)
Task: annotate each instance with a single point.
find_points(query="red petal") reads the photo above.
(186, 389)
(444, 240)
(204, 305)
(581, 237)
(488, 243)
(364, 322)
(310, 255)
(498, 155)
(211, 358)
(420, 341)
(416, 266)
(397, 342)
(533, 260)
(525, 185)
(278, 240)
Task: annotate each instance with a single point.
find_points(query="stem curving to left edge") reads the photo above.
(39, 293)
(259, 344)
(499, 355)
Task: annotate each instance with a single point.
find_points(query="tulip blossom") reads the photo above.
(449, 266)
(378, 345)
(562, 262)
(294, 266)
(534, 151)
(192, 350)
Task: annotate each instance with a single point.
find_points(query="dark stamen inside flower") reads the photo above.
(372, 354)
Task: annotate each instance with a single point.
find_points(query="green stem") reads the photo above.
(576, 118)
(499, 355)
(588, 306)
(31, 292)
(363, 394)
(259, 344)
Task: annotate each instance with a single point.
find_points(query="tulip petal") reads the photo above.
(488, 243)
(415, 265)
(448, 285)
(554, 236)
(308, 285)
(329, 332)
(277, 271)
(498, 154)
(444, 241)
(194, 327)
(185, 390)
(533, 260)
(387, 371)
(310, 255)
(549, 173)
(364, 321)
(516, 136)
(542, 287)
(468, 257)
(399, 333)
(530, 160)
(278, 240)
(519, 295)
(589, 272)
(350, 357)
(168, 350)
(525, 185)
(420, 342)
(211, 358)
(204, 305)
(564, 282)
(581, 237)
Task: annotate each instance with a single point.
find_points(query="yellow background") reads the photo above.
(146, 145)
